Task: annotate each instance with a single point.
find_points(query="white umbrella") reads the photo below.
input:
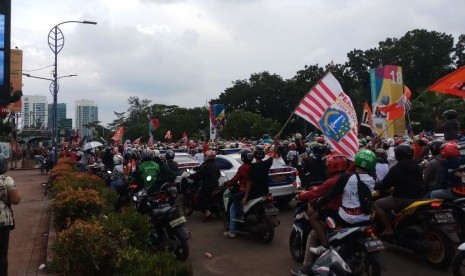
(92, 145)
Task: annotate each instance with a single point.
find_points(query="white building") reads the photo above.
(34, 112)
(86, 112)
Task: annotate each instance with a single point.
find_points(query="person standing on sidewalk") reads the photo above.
(8, 195)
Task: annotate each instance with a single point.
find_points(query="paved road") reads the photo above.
(246, 256)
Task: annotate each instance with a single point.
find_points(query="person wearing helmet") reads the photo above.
(451, 126)
(148, 171)
(241, 176)
(406, 177)
(336, 165)
(199, 155)
(257, 183)
(107, 159)
(119, 181)
(382, 166)
(314, 170)
(169, 168)
(207, 173)
(352, 209)
(433, 166)
(449, 176)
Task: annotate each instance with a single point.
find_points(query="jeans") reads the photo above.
(235, 210)
(116, 183)
(4, 239)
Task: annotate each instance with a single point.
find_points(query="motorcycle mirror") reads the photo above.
(149, 177)
(109, 172)
(134, 198)
(222, 174)
(330, 223)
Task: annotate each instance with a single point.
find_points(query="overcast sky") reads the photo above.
(185, 52)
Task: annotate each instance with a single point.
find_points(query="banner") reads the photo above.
(168, 135)
(217, 119)
(366, 123)
(386, 89)
(118, 136)
(327, 107)
(153, 125)
(452, 84)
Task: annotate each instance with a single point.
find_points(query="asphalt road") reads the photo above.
(246, 256)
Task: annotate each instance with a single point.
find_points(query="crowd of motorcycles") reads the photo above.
(432, 228)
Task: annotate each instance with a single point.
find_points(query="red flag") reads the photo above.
(184, 136)
(118, 136)
(452, 84)
(397, 109)
(168, 135)
(327, 107)
(150, 142)
(367, 118)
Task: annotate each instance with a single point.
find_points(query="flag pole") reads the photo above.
(292, 113)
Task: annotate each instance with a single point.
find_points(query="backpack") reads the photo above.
(364, 196)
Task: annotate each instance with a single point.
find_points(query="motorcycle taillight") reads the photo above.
(436, 204)
(369, 231)
(269, 198)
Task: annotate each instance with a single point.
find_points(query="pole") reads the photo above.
(55, 95)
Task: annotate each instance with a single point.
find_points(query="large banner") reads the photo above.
(217, 120)
(16, 79)
(386, 88)
(5, 27)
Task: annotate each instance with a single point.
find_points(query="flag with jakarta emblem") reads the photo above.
(327, 107)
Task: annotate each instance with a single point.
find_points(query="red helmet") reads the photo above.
(336, 164)
(209, 154)
(449, 150)
(320, 140)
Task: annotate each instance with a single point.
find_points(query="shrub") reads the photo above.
(132, 261)
(83, 249)
(60, 169)
(70, 205)
(76, 180)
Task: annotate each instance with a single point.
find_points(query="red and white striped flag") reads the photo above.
(327, 107)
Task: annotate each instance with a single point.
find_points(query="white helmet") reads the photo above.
(117, 159)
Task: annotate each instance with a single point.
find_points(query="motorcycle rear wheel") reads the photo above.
(182, 249)
(458, 266)
(296, 246)
(441, 256)
(267, 233)
(187, 205)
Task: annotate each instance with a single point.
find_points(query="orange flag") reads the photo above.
(452, 84)
(118, 136)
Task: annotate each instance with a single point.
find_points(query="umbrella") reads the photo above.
(92, 145)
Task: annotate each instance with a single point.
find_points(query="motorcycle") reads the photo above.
(190, 199)
(426, 228)
(458, 265)
(260, 216)
(169, 230)
(300, 230)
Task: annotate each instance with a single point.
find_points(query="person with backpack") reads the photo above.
(356, 205)
(406, 177)
(433, 166)
(147, 172)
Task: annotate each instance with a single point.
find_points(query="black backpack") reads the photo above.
(364, 196)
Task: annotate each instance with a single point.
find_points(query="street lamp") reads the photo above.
(56, 41)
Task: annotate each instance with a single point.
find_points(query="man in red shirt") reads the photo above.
(241, 176)
(335, 166)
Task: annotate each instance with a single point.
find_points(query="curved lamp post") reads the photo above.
(56, 41)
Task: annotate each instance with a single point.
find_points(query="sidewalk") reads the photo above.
(28, 241)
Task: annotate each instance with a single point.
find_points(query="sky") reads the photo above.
(186, 52)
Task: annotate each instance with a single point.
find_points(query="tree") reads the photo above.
(459, 56)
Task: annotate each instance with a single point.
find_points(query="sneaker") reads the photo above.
(318, 250)
(299, 271)
(229, 234)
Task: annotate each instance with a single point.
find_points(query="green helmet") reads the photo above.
(366, 159)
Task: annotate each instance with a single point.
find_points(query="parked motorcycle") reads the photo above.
(260, 217)
(458, 265)
(426, 228)
(169, 231)
(300, 230)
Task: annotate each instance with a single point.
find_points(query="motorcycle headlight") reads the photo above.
(149, 177)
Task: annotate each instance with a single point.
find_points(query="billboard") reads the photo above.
(386, 88)
(5, 26)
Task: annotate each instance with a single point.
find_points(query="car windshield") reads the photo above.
(238, 159)
(184, 159)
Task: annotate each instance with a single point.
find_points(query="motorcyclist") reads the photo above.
(451, 126)
(433, 166)
(406, 178)
(172, 168)
(241, 176)
(118, 181)
(314, 171)
(450, 176)
(208, 173)
(382, 166)
(107, 159)
(335, 166)
(148, 171)
(350, 211)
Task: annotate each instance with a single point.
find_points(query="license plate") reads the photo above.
(273, 211)
(278, 178)
(373, 245)
(444, 218)
(178, 221)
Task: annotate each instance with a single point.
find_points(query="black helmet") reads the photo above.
(259, 153)
(450, 114)
(435, 146)
(381, 154)
(247, 156)
(403, 152)
(169, 155)
(319, 149)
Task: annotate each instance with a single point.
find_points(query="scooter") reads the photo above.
(260, 217)
(300, 230)
(458, 265)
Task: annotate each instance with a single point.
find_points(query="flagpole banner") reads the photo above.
(327, 107)
(118, 136)
(366, 122)
(212, 124)
(452, 84)
(153, 125)
(387, 88)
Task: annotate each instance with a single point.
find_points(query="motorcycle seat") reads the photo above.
(154, 213)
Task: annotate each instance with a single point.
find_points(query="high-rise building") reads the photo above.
(34, 112)
(61, 114)
(86, 112)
